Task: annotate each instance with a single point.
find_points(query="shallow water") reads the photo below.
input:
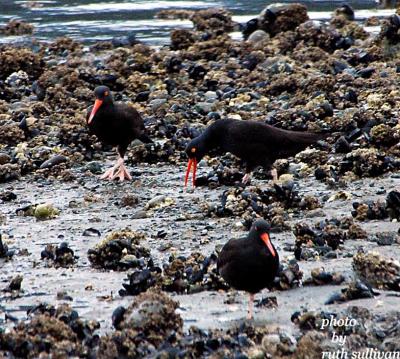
(92, 20)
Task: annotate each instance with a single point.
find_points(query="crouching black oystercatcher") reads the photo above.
(256, 143)
(116, 124)
(250, 263)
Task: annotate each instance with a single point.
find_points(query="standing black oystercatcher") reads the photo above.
(256, 143)
(250, 263)
(116, 124)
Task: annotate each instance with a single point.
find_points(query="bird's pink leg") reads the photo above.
(246, 178)
(117, 171)
(250, 309)
(274, 174)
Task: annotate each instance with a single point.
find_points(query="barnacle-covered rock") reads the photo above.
(327, 234)
(378, 271)
(14, 59)
(59, 256)
(355, 290)
(192, 274)
(120, 250)
(312, 156)
(313, 344)
(345, 11)
(321, 277)
(64, 44)
(141, 280)
(16, 27)
(10, 133)
(369, 210)
(180, 14)
(271, 203)
(9, 172)
(393, 204)
(213, 20)
(57, 332)
(280, 18)
(289, 276)
(15, 284)
(390, 29)
(5, 252)
(367, 162)
(182, 39)
(143, 326)
(317, 33)
(384, 135)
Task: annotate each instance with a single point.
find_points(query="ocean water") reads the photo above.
(93, 20)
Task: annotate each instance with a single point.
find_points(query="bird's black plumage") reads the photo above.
(116, 124)
(256, 143)
(248, 263)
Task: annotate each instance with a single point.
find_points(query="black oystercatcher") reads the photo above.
(250, 263)
(256, 143)
(116, 124)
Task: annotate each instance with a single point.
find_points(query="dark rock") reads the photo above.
(90, 232)
(249, 28)
(355, 290)
(53, 161)
(197, 72)
(8, 196)
(342, 146)
(346, 11)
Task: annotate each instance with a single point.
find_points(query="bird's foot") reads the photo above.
(122, 174)
(246, 178)
(109, 174)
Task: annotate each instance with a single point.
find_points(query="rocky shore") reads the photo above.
(95, 269)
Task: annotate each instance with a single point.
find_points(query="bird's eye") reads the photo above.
(193, 150)
(106, 93)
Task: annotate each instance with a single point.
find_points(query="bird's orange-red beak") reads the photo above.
(267, 241)
(96, 106)
(192, 161)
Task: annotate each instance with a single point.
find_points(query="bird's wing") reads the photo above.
(231, 251)
(258, 136)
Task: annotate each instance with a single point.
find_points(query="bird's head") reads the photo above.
(261, 229)
(195, 151)
(103, 96)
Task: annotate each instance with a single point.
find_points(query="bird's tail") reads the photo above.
(308, 138)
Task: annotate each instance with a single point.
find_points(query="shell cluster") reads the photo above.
(272, 204)
(378, 209)
(120, 250)
(191, 274)
(326, 235)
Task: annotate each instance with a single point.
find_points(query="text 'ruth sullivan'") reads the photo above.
(369, 353)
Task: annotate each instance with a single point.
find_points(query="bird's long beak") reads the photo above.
(192, 161)
(96, 106)
(267, 241)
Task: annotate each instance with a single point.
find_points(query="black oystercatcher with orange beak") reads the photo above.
(256, 143)
(116, 124)
(250, 264)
